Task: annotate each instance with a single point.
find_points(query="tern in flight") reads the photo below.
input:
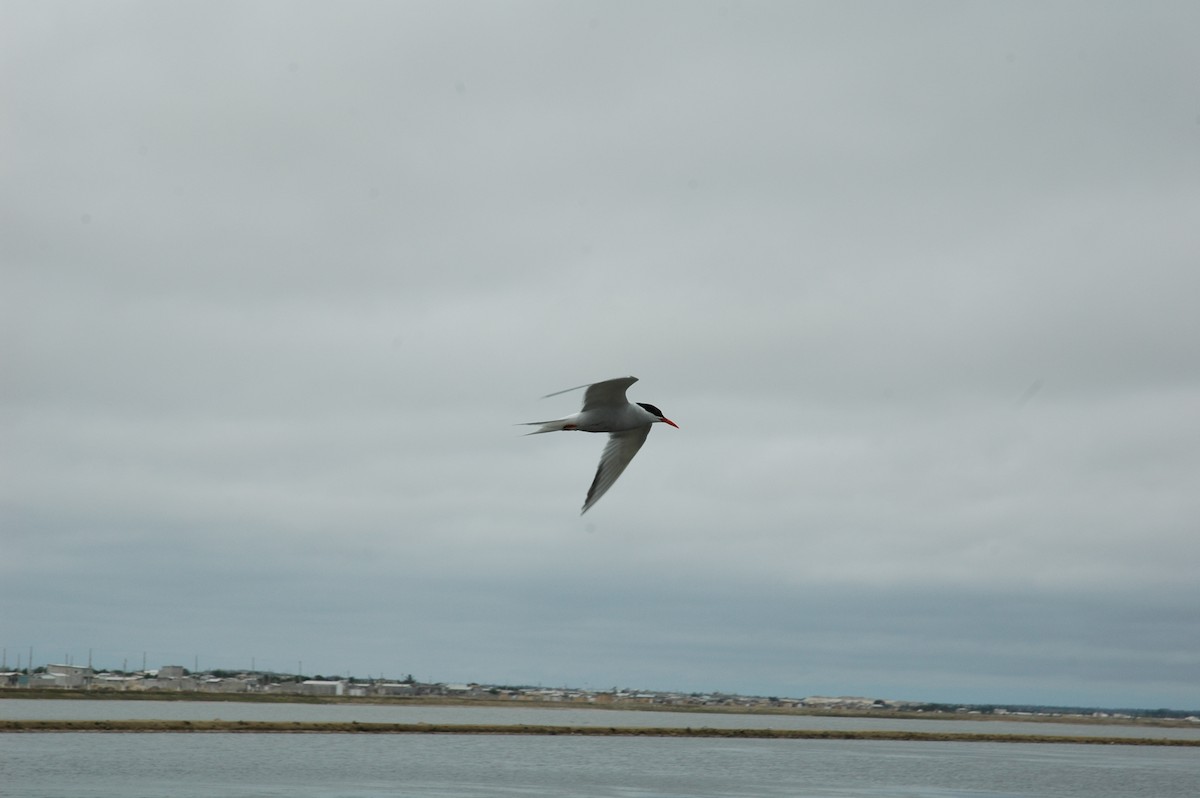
(605, 409)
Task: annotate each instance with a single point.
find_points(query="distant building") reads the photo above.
(228, 685)
(171, 677)
(322, 687)
(841, 702)
(393, 688)
(66, 676)
(111, 681)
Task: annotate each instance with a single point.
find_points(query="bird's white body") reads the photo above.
(605, 409)
(601, 419)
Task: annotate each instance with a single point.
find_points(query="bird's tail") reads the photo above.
(547, 426)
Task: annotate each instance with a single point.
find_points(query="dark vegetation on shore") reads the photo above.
(303, 727)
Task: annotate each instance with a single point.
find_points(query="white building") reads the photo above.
(68, 676)
(322, 687)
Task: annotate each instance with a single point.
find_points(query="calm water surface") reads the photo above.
(139, 765)
(50, 709)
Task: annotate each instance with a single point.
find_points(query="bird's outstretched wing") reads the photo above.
(618, 453)
(610, 393)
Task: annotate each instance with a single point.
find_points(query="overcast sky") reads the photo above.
(918, 282)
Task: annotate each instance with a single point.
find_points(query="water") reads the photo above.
(50, 709)
(136, 765)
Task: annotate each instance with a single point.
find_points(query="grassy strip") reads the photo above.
(303, 727)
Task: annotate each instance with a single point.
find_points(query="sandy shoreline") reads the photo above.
(303, 727)
(442, 701)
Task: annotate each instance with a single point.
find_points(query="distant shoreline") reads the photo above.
(305, 727)
(443, 701)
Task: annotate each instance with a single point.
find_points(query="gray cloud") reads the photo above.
(280, 279)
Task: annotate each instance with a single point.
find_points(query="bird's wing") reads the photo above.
(610, 393)
(618, 453)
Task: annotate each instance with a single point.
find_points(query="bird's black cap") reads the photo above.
(651, 409)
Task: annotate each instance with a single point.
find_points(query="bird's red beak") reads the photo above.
(666, 420)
